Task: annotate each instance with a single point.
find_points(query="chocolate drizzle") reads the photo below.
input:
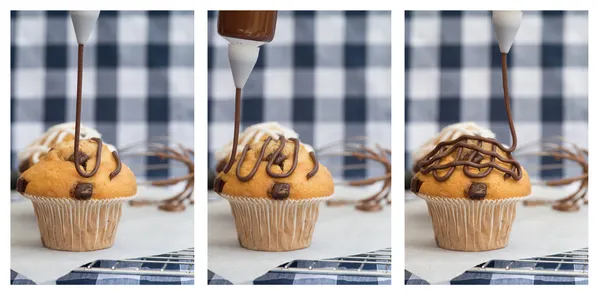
(431, 162)
(118, 169)
(272, 160)
(236, 129)
(275, 156)
(76, 151)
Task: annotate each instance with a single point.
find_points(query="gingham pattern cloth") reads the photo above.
(479, 278)
(138, 79)
(90, 278)
(326, 75)
(453, 74)
(293, 278)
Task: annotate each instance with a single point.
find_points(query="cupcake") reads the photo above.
(275, 187)
(77, 213)
(471, 194)
(56, 134)
(449, 132)
(251, 135)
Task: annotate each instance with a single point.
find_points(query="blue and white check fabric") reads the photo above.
(138, 79)
(326, 75)
(453, 74)
(489, 278)
(94, 278)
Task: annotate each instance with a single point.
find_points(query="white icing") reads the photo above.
(253, 134)
(55, 135)
(451, 132)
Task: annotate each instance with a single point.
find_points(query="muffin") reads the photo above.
(472, 211)
(449, 132)
(55, 134)
(76, 213)
(254, 134)
(274, 200)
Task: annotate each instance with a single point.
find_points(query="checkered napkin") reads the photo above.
(92, 278)
(326, 75)
(488, 278)
(453, 74)
(137, 81)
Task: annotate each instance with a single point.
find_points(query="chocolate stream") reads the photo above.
(431, 161)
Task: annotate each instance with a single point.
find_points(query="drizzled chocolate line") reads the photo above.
(360, 151)
(575, 154)
(283, 140)
(118, 169)
(278, 151)
(185, 156)
(78, 127)
(98, 158)
(255, 168)
(315, 169)
(431, 162)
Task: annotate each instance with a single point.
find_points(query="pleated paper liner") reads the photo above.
(67, 224)
(472, 225)
(264, 224)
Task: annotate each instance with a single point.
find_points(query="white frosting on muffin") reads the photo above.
(253, 134)
(55, 135)
(451, 132)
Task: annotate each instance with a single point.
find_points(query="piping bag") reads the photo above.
(245, 31)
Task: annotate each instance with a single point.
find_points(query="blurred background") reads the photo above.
(137, 82)
(325, 75)
(453, 74)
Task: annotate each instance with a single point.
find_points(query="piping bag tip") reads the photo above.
(506, 24)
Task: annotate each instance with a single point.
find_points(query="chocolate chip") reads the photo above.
(218, 185)
(477, 191)
(82, 191)
(278, 160)
(280, 191)
(83, 158)
(477, 158)
(21, 184)
(415, 184)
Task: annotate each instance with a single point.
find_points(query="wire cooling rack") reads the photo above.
(179, 263)
(573, 263)
(374, 264)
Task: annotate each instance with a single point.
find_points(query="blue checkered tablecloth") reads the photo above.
(488, 278)
(314, 278)
(326, 74)
(453, 74)
(95, 278)
(138, 79)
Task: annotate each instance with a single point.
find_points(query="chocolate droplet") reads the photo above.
(477, 191)
(218, 185)
(280, 191)
(278, 160)
(415, 185)
(506, 176)
(477, 158)
(82, 191)
(21, 184)
(83, 158)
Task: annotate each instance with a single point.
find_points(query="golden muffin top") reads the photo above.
(55, 174)
(265, 169)
(463, 183)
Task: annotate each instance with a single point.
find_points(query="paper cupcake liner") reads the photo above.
(264, 224)
(77, 225)
(472, 225)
